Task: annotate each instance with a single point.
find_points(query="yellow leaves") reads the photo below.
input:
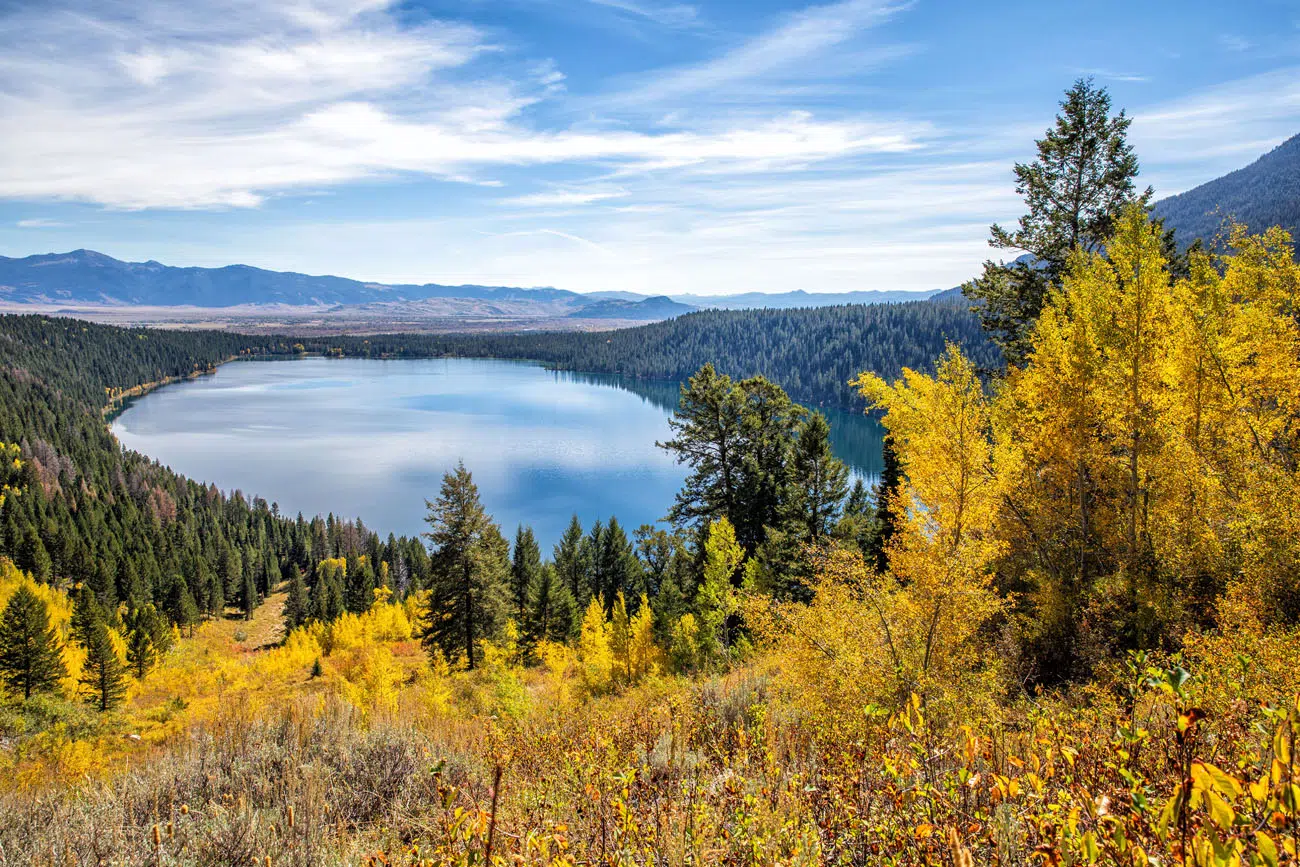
(595, 657)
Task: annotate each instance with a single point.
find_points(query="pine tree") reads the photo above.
(248, 596)
(707, 436)
(359, 584)
(86, 612)
(551, 610)
(570, 562)
(181, 607)
(147, 638)
(102, 674)
(819, 480)
(615, 568)
(1075, 190)
(31, 658)
(297, 607)
(469, 597)
(886, 507)
(525, 564)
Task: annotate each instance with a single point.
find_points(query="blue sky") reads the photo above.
(644, 145)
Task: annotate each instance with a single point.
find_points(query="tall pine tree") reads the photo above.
(1075, 190)
(468, 601)
(31, 658)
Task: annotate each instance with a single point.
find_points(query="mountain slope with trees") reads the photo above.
(1263, 194)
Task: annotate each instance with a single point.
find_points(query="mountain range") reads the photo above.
(1262, 194)
(86, 277)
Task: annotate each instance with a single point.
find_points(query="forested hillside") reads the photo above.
(1263, 194)
(812, 353)
(131, 530)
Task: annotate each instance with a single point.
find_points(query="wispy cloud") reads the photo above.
(564, 198)
(1233, 42)
(1189, 137)
(1113, 75)
(667, 14)
(780, 50)
(41, 223)
(179, 106)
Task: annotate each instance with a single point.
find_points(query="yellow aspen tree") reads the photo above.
(645, 657)
(595, 657)
(939, 594)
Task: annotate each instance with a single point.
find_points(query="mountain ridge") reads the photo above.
(1262, 194)
(89, 277)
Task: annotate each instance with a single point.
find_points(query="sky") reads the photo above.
(651, 146)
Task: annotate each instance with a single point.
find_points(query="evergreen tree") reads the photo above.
(707, 436)
(248, 597)
(359, 593)
(102, 674)
(570, 565)
(327, 596)
(31, 658)
(551, 613)
(615, 568)
(297, 607)
(769, 422)
(86, 612)
(147, 638)
(525, 564)
(819, 481)
(469, 597)
(180, 604)
(886, 507)
(1075, 190)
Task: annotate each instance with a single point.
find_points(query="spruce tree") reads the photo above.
(147, 638)
(359, 586)
(102, 674)
(525, 564)
(886, 506)
(819, 481)
(1075, 190)
(468, 599)
(297, 607)
(569, 562)
(31, 657)
(551, 614)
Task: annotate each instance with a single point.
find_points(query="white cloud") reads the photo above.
(565, 198)
(667, 14)
(180, 106)
(41, 223)
(1198, 137)
(784, 49)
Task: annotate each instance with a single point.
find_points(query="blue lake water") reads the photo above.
(372, 439)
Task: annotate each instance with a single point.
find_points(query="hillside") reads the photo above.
(1263, 194)
(655, 307)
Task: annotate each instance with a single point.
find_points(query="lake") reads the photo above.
(372, 439)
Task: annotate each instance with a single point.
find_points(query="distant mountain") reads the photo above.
(87, 277)
(653, 308)
(797, 298)
(1263, 194)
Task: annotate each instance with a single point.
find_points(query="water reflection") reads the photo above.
(372, 439)
(856, 438)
